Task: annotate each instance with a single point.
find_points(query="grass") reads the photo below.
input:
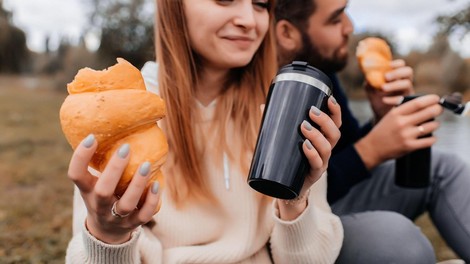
(36, 195)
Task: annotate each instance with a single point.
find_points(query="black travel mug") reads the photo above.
(413, 170)
(279, 166)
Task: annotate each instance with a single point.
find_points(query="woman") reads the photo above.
(216, 59)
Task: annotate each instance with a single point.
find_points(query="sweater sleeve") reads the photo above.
(315, 236)
(143, 247)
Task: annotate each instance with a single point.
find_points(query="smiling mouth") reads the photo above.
(240, 39)
(241, 42)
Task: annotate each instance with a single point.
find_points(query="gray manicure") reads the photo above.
(155, 187)
(144, 168)
(333, 100)
(88, 141)
(123, 151)
(315, 110)
(309, 144)
(307, 125)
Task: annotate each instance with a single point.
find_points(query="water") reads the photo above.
(453, 134)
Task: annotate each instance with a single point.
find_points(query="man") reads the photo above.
(375, 212)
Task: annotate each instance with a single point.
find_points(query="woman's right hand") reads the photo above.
(99, 198)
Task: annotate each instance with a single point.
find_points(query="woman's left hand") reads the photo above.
(319, 143)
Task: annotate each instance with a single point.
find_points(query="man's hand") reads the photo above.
(399, 131)
(399, 84)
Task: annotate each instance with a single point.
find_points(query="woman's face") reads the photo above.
(226, 33)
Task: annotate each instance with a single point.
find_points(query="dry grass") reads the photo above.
(36, 196)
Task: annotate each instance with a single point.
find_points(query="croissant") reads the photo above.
(114, 105)
(374, 57)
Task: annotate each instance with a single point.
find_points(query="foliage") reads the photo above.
(13, 51)
(126, 28)
(458, 22)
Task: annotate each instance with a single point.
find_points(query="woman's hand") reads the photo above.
(98, 194)
(317, 147)
(320, 142)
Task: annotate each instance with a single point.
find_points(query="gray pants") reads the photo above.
(377, 215)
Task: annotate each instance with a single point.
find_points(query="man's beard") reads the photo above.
(311, 54)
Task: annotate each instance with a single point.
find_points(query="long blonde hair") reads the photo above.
(239, 102)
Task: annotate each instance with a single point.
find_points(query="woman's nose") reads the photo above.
(245, 15)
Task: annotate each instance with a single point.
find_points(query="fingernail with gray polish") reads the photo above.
(144, 168)
(308, 144)
(123, 151)
(307, 125)
(315, 110)
(88, 141)
(155, 187)
(333, 100)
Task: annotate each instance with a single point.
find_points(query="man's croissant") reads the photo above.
(374, 57)
(114, 105)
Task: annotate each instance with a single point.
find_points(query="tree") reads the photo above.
(13, 51)
(459, 21)
(456, 68)
(126, 28)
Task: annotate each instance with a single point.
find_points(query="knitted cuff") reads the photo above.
(100, 252)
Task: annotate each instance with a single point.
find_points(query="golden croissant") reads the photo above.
(114, 105)
(374, 57)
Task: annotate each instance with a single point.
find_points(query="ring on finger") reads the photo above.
(115, 213)
(421, 130)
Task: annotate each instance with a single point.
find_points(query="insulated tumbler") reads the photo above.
(279, 166)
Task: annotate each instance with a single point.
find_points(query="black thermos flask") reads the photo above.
(413, 170)
(279, 166)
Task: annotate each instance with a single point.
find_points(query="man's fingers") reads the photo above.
(426, 114)
(399, 71)
(78, 167)
(397, 63)
(392, 100)
(417, 104)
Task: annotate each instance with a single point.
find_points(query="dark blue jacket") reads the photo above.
(346, 168)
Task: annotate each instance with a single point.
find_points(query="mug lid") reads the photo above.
(303, 72)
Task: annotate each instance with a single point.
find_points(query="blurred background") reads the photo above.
(43, 43)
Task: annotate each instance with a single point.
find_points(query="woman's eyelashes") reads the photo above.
(224, 2)
(258, 4)
(262, 4)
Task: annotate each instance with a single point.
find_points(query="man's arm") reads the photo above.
(346, 167)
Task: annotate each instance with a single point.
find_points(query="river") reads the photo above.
(453, 134)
